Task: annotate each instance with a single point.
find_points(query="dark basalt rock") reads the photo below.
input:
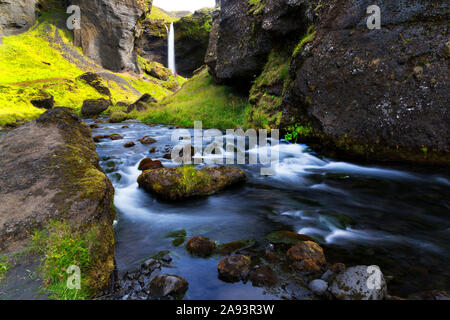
(93, 107)
(108, 31)
(376, 94)
(43, 101)
(191, 41)
(243, 34)
(142, 103)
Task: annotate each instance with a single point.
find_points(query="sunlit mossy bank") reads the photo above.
(200, 98)
(33, 62)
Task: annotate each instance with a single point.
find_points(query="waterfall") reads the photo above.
(171, 48)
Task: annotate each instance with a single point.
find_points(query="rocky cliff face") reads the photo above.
(377, 94)
(49, 170)
(152, 43)
(108, 31)
(245, 32)
(191, 41)
(17, 16)
(350, 91)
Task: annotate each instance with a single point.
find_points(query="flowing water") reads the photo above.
(395, 217)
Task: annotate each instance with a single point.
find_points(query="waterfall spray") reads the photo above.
(171, 48)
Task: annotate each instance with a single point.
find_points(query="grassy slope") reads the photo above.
(28, 64)
(201, 99)
(158, 14)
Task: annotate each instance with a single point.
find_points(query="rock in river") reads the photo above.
(168, 285)
(360, 283)
(185, 182)
(306, 256)
(234, 268)
(147, 164)
(200, 246)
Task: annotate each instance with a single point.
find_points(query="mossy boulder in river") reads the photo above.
(186, 182)
(51, 180)
(118, 116)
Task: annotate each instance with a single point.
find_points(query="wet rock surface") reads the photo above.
(359, 283)
(148, 164)
(187, 182)
(200, 246)
(149, 283)
(306, 256)
(234, 268)
(376, 94)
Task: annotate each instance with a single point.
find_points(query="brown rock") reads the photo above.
(200, 246)
(234, 268)
(99, 137)
(306, 256)
(153, 150)
(147, 140)
(129, 144)
(338, 268)
(263, 277)
(168, 285)
(147, 164)
(115, 137)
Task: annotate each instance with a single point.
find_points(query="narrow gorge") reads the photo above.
(240, 149)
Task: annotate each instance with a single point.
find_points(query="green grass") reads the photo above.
(158, 14)
(28, 64)
(309, 37)
(4, 266)
(200, 99)
(61, 248)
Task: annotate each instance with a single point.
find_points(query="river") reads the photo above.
(396, 217)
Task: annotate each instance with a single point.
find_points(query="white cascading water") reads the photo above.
(171, 48)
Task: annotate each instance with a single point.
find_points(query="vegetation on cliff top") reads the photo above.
(159, 14)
